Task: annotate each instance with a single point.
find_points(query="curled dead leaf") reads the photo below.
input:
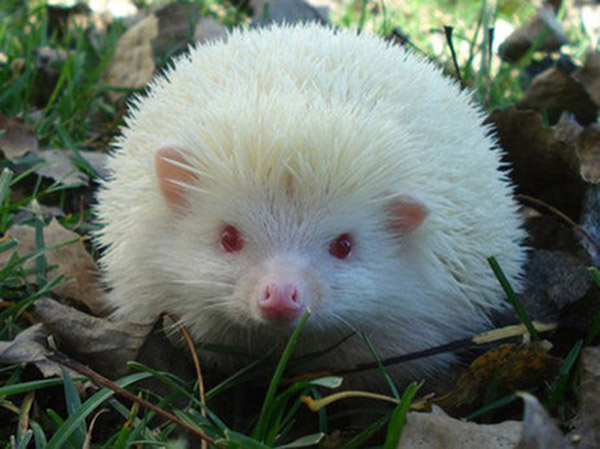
(72, 261)
(285, 11)
(439, 431)
(543, 31)
(589, 75)
(30, 346)
(105, 345)
(543, 167)
(588, 428)
(16, 138)
(132, 65)
(508, 367)
(539, 430)
(555, 91)
(588, 148)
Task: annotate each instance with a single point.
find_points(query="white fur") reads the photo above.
(299, 134)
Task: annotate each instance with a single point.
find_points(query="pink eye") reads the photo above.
(341, 247)
(231, 240)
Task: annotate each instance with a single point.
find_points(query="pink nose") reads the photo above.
(280, 302)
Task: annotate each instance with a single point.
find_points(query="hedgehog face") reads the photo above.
(274, 257)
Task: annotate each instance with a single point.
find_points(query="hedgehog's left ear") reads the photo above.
(405, 214)
(173, 176)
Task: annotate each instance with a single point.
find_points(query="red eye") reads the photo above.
(231, 240)
(341, 247)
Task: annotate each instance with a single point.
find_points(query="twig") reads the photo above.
(192, 347)
(561, 215)
(97, 378)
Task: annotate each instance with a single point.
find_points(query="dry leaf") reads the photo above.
(589, 399)
(555, 91)
(543, 30)
(30, 346)
(132, 65)
(509, 367)
(49, 62)
(539, 430)
(16, 138)
(554, 279)
(165, 33)
(439, 431)
(589, 75)
(285, 11)
(78, 268)
(208, 29)
(176, 22)
(588, 148)
(105, 345)
(567, 129)
(59, 166)
(543, 167)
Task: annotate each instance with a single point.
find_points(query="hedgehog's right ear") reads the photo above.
(172, 176)
(406, 214)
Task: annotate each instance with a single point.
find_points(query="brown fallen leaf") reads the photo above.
(285, 11)
(105, 345)
(555, 91)
(542, 166)
(165, 33)
(16, 138)
(49, 62)
(78, 268)
(543, 31)
(588, 428)
(567, 129)
(208, 29)
(589, 75)
(539, 430)
(176, 27)
(439, 431)
(132, 65)
(60, 166)
(30, 346)
(588, 148)
(509, 367)
(554, 279)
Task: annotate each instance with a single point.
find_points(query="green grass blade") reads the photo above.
(308, 440)
(513, 299)
(5, 179)
(398, 417)
(25, 387)
(594, 329)
(74, 421)
(261, 429)
(73, 403)
(491, 406)
(234, 440)
(359, 440)
(8, 245)
(559, 386)
(24, 441)
(382, 369)
(38, 435)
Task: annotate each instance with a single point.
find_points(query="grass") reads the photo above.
(63, 100)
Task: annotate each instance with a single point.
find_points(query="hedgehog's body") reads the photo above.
(325, 170)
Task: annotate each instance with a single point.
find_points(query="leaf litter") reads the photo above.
(551, 140)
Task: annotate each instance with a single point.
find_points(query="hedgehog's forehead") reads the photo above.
(302, 175)
(296, 150)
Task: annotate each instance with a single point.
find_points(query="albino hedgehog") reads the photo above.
(301, 167)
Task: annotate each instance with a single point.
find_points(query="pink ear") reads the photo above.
(406, 214)
(171, 176)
